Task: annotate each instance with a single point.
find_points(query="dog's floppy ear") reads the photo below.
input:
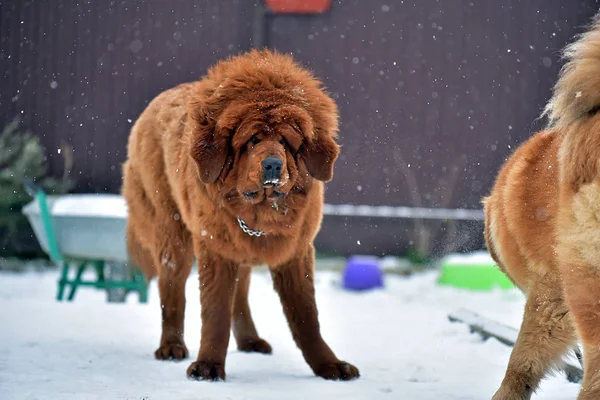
(319, 150)
(320, 155)
(210, 153)
(209, 143)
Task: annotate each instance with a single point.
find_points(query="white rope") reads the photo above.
(349, 210)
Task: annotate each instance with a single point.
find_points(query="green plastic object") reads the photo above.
(474, 272)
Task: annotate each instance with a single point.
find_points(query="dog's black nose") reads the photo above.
(271, 169)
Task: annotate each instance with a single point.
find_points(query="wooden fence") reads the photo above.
(433, 94)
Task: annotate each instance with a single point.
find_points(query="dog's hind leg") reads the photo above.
(170, 256)
(546, 334)
(241, 319)
(160, 244)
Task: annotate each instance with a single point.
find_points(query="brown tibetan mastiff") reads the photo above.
(543, 229)
(230, 169)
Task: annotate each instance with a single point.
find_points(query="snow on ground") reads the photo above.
(399, 337)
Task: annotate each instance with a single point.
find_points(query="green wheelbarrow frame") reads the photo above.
(136, 282)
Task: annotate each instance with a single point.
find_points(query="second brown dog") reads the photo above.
(543, 229)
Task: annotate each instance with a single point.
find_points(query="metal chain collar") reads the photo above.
(247, 230)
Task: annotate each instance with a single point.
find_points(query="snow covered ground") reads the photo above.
(399, 338)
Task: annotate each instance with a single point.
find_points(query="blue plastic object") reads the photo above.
(362, 273)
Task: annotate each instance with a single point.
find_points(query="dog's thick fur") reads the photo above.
(543, 228)
(194, 167)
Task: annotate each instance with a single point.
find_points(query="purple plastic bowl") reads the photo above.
(362, 273)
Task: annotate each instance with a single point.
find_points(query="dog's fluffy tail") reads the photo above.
(577, 91)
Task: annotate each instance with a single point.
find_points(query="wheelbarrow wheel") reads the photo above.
(116, 271)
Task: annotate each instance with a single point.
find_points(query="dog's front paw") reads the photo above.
(206, 371)
(171, 351)
(255, 345)
(338, 370)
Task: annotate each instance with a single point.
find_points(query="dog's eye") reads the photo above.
(282, 141)
(254, 140)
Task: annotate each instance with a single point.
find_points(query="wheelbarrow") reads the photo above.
(82, 232)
